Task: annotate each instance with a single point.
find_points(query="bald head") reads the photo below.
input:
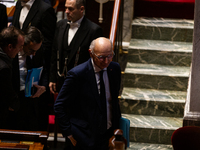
(101, 52)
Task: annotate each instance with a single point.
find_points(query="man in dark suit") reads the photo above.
(31, 108)
(88, 111)
(41, 15)
(11, 42)
(72, 39)
(3, 17)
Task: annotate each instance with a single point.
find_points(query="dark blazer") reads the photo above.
(3, 17)
(78, 108)
(8, 98)
(42, 16)
(87, 32)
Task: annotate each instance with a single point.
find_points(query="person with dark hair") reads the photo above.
(41, 15)
(72, 39)
(87, 108)
(3, 17)
(11, 42)
(32, 56)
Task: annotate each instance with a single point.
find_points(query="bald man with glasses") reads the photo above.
(87, 107)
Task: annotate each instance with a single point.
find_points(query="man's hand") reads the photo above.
(74, 142)
(40, 90)
(52, 87)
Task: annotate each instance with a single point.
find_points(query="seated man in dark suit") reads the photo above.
(87, 107)
(11, 42)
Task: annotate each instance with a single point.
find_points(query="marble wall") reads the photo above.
(127, 22)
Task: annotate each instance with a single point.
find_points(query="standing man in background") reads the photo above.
(41, 15)
(72, 39)
(87, 107)
(11, 42)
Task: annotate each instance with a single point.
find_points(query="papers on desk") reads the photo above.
(33, 77)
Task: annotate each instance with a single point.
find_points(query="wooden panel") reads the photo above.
(20, 135)
(10, 11)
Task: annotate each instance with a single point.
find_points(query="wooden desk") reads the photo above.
(21, 146)
(15, 138)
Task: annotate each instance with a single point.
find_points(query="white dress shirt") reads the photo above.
(22, 69)
(73, 29)
(24, 11)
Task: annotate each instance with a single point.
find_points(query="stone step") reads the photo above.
(153, 76)
(160, 52)
(153, 102)
(152, 129)
(163, 29)
(149, 146)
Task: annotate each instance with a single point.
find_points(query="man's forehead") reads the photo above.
(71, 3)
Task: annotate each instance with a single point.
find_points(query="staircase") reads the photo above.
(155, 80)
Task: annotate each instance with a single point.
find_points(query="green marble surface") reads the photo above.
(153, 76)
(148, 146)
(152, 129)
(152, 102)
(163, 29)
(160, 52)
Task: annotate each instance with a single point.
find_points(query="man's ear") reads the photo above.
(10, 47)
(90, 52)
(82, 8)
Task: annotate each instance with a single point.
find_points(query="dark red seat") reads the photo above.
(186, 138)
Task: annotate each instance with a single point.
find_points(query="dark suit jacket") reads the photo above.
(87, 32)
(8, 98)
(3, 17)
(42, 16)
(78, 108)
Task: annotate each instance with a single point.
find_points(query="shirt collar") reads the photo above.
(29, 3)
(79, 21)
(96, 68)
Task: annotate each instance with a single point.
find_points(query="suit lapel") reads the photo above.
(110, 77)
(78, 38)
(61, 35)
(92, 82)
(33, 11)
(17, 15)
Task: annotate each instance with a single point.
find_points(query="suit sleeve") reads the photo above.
(64, 103)
(48, 30)
(53, 68)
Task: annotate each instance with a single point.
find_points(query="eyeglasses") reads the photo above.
(102, 58)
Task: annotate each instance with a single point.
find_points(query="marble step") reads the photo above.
(152, 129)
(162, 29)
(149, 146)
(153, 76)
(160, 52)
(153, 102)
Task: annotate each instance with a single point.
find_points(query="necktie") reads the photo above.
(103, 102)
